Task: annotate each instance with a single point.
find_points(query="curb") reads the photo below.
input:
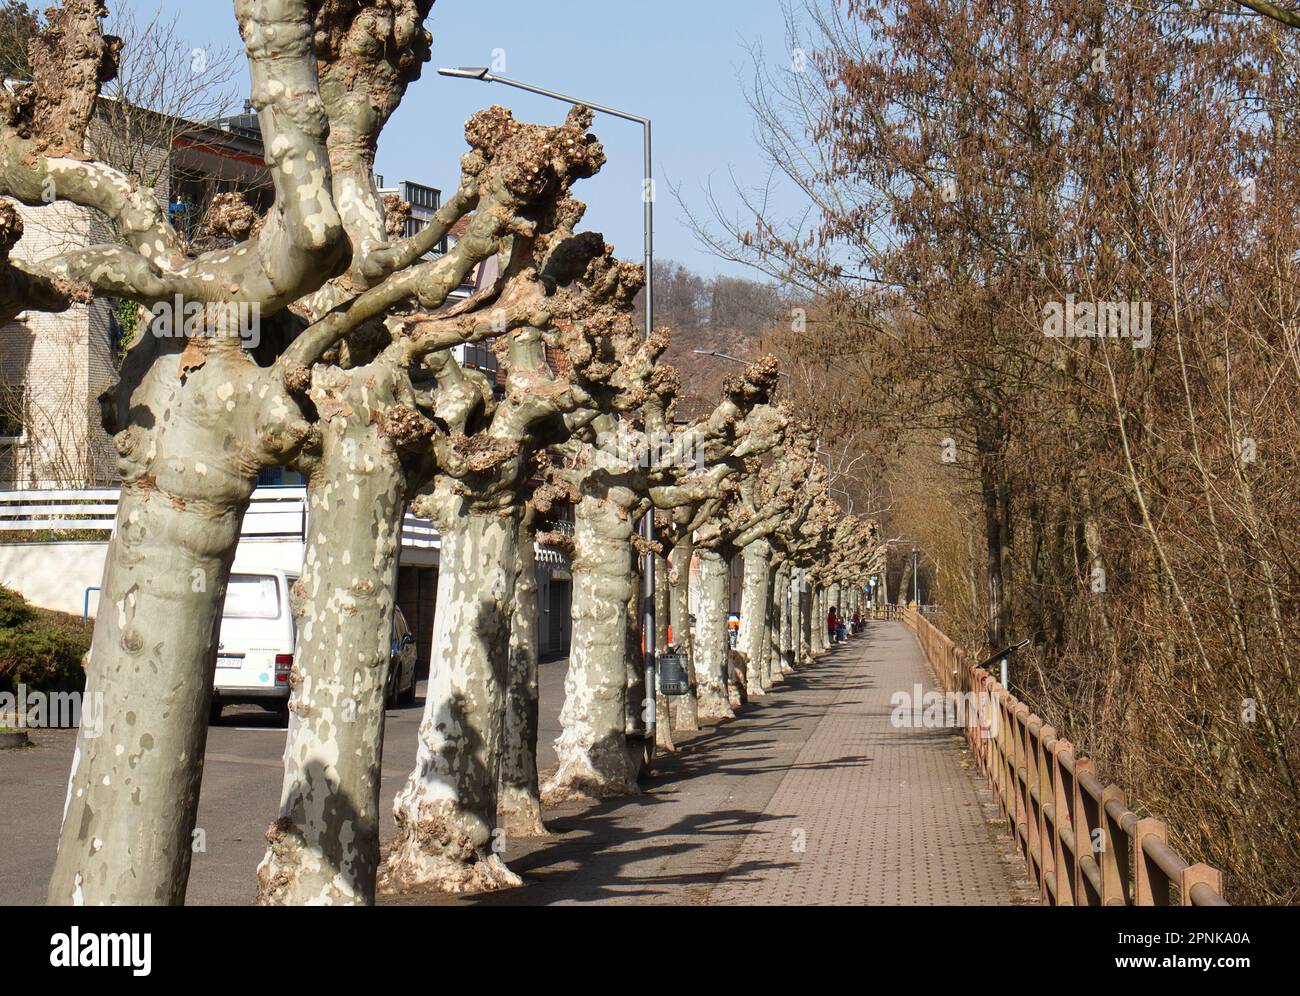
(13, 739)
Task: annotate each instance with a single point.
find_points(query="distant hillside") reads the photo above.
(728, 315)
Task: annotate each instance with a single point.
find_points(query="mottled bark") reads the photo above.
(519, 807)
(324, 846)
(447, 811)
(805, 623)
(133, 791)
(772, 631)
(663, 719)
(818, 620)
(188, 471)
(593, 761)
(790, 608)
(712, 651)
(753, 614)
(687, 706)
(636, 705)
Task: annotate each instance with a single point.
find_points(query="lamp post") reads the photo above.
(483, 74)
(916, 583)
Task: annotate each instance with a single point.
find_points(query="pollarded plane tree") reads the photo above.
(755, 508)
(617, 472)
(858, 554)
(395, 411)
(782, 492)
(447, 812)
(786, 606)
(778, 606)
(809, 547)
(195, 415)
(676, 531)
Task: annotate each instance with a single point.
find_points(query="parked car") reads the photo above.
(255, 646)
(401, 662)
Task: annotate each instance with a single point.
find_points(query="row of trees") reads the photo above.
(1054, 250)
(354, 385)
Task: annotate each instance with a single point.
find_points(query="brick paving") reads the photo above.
(871, 814)
(810, 797)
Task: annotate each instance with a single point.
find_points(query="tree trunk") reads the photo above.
(687, 711)
(753, 614)
(771, 633)
(996, 498)
(519, 808)
(636, 705)
(711, 645)
(446, 813)
(805, 621)
(663, 719)
(786, 647)
(133, 791)
(593, 760)
(819, 644)
(324, 847)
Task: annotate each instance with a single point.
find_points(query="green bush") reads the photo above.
(14, 610)
(40, 648)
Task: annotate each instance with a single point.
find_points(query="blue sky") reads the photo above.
(680, 62)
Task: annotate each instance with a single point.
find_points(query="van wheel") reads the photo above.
(408, 697)
(282, 714)
(214, 713)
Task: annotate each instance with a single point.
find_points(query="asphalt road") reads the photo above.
(241, 792)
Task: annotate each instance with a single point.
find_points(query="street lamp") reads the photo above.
(483, 74)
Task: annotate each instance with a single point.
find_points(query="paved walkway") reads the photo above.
(811, 797)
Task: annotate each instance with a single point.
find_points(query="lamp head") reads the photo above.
(465, 72)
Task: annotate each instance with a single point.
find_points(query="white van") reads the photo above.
(255, 648)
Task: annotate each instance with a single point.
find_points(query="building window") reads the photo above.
(479, 356)
(13, 412)
(279, 477)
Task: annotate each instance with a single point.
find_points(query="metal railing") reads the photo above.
(1083, 846)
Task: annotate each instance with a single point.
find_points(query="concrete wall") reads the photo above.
(56, 575)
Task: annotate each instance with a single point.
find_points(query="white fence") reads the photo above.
(273, 513)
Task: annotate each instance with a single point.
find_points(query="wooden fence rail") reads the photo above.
(1083, 846)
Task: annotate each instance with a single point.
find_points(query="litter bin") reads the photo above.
(674, 677)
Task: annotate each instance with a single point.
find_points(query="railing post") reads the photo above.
(1198, 874)
(1046, 830)
(1062, 826)
(1084, 820)
(1114, 866)
(1033, 842)
(1151, 885)
(1020, 786)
